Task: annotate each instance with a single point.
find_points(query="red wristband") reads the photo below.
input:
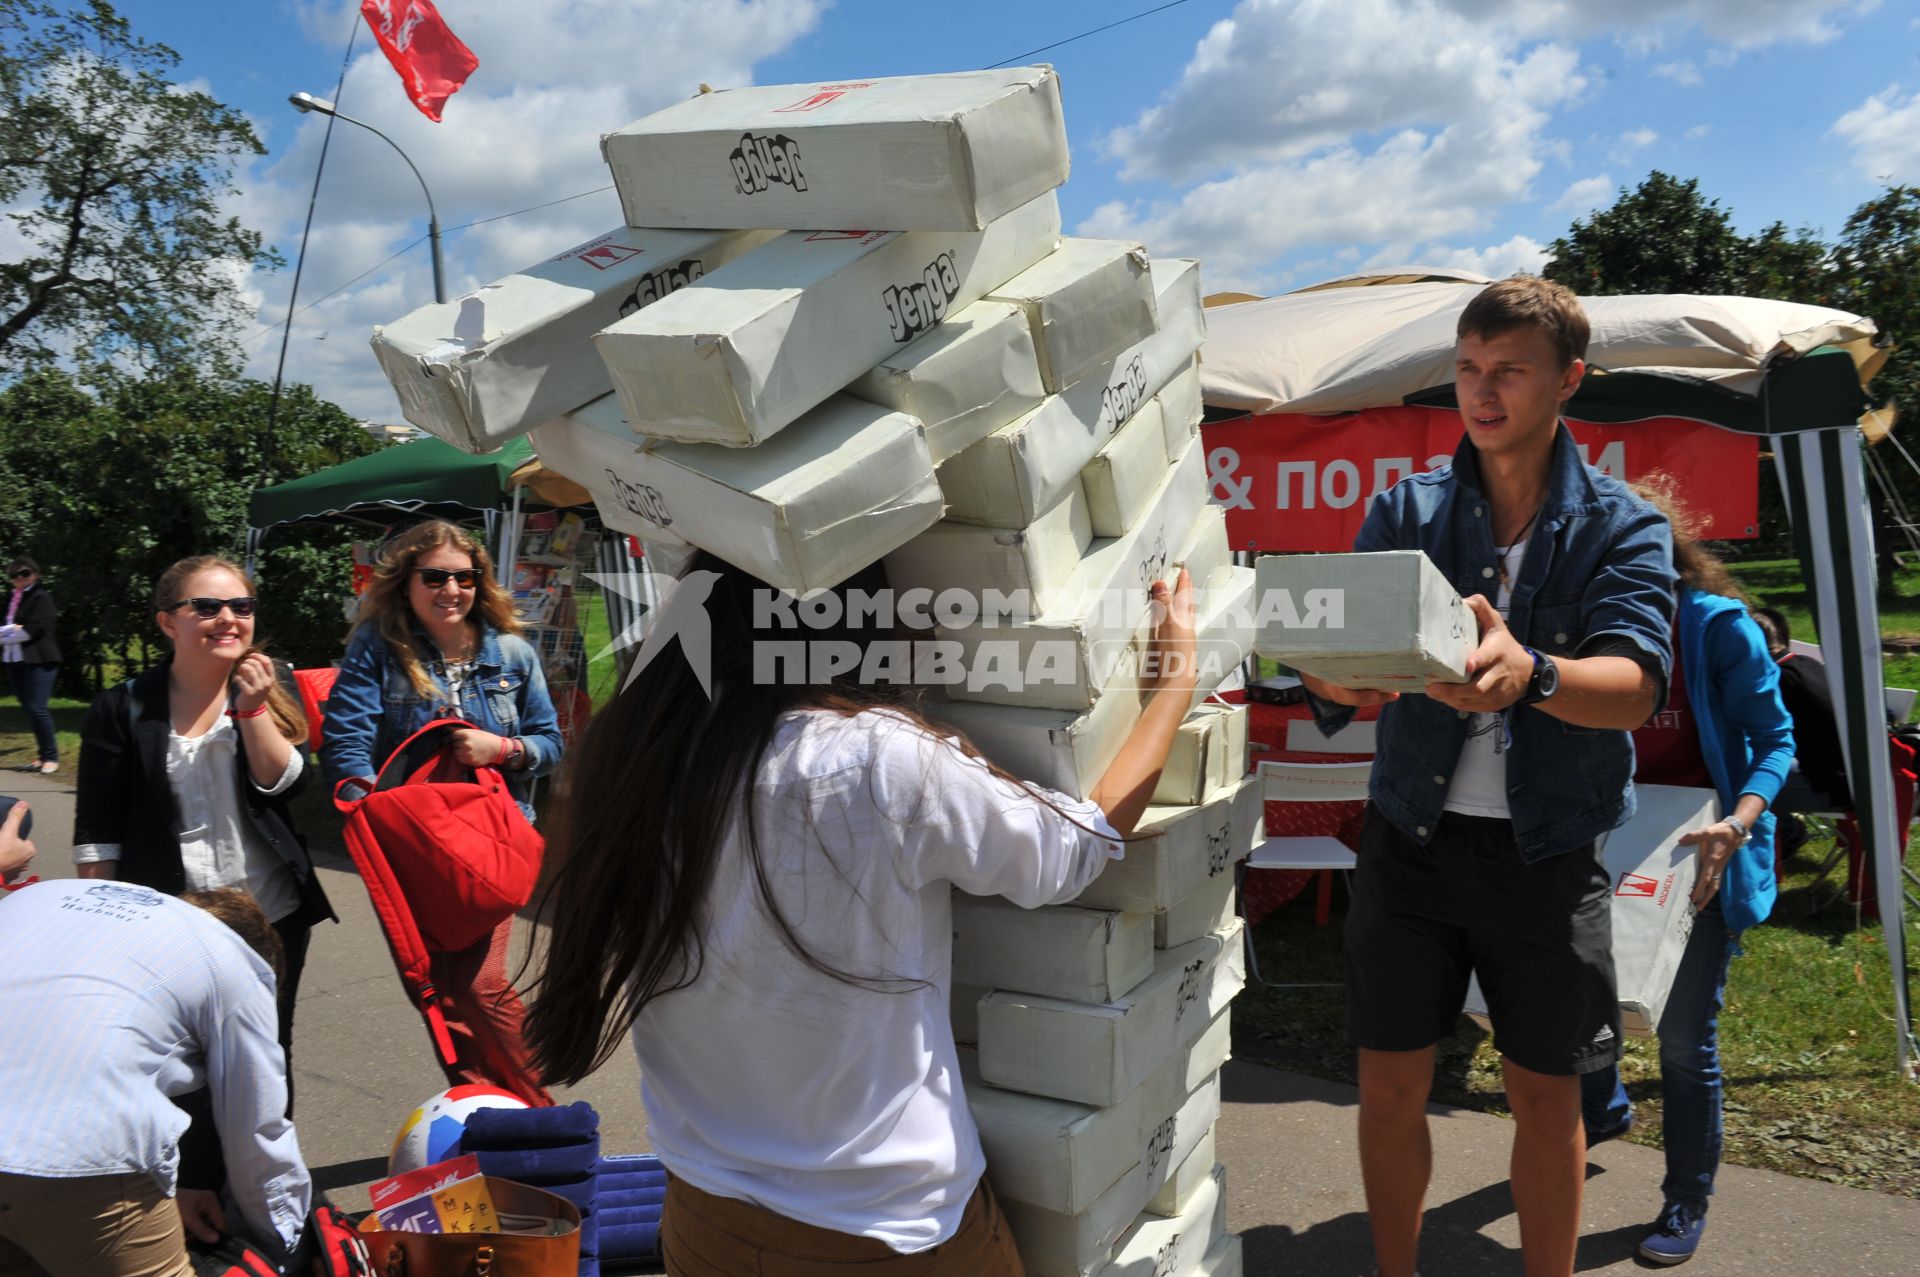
(246, 713)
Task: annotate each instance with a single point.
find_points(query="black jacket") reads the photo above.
(36, 616)
(1816, 735)
(124, 796)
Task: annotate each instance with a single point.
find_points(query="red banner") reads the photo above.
(1297, 483)
(432, 62)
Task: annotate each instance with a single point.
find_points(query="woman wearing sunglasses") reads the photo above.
(186, 770)
(31, 655)
(437, 638)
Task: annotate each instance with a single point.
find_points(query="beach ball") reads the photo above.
(432, 1132)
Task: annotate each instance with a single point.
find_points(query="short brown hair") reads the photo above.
(1527, 301)
(243, 917)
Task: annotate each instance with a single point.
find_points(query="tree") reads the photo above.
(106, 491)
(1664, 237)
(124, 252)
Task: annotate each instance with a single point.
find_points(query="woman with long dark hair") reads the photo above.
(187, 769)
(437, 638)
(1725, 729)
(755, 882)
(31, 654)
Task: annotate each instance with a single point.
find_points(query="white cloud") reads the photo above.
(1584, 195)
(1681, 72)
(1651, 24)
(1697, 132)
(1884, 132)
(1520, 255)
(1630, 143)
(553, 76)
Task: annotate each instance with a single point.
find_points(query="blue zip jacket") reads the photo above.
(374, 707)
(1598, 577)
(1746, 735)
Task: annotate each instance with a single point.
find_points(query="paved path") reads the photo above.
(362, 1062)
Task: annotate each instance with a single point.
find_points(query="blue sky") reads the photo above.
(1280, 141)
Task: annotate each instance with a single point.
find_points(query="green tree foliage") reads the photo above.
(105, 491)
(124, 252)
(1664, 237)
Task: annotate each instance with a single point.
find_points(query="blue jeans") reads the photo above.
(1690, 1080)
(33, 683)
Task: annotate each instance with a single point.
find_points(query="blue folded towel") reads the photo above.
(542, 1166)
(649, 1197)
(631, 1177)
(629, 1215)
(567, 1125)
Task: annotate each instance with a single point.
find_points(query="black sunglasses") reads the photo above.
(20, 573)
(434, 578)
(206, 609)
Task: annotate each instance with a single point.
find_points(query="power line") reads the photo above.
(500, 217)
(248, 340)
(1120, 22)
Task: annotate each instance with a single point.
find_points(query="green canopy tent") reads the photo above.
(409, 481)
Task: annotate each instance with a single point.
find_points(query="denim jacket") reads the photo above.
(374, 707)
(1598, 574)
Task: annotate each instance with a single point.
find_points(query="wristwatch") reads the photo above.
(1545, 681)
(1739, 828)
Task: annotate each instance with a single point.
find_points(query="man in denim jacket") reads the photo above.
(1478, 854)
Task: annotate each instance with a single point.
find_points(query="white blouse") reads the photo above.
(833, 1104)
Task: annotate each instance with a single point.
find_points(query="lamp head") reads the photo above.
(304, 102)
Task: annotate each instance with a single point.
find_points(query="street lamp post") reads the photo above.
(308, 102)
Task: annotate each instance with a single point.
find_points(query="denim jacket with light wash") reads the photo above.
(374, 706)
(1598, 576)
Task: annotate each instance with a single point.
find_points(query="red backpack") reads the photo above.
(446, 855)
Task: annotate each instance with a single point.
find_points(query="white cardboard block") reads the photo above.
(845, 486)
(1020, 469)
(1206, 553)
(1097, 1053)
(1059, 951)
(1040, 558)
(974, 373)
(1063, 750)
(1224, 1260)
(1387, 620)
(1653, 877)
(1157, 1246)
(739, 354)
(1181, 409)
(1060, 1245)
(1209, 753)
(1066, 654)
(924, 152)
(1207, 908)
(1061, 1156)
(1121, 478)
(1183, 848)
(1176, 1196)
(1087, 301)
(489, 366)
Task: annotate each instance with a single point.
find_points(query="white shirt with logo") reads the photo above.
(1479, 783)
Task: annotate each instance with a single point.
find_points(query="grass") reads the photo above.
(17, 747)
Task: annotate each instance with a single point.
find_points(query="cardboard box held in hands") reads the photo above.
(1388, 620)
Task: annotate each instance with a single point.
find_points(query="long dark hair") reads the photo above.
(651, 790)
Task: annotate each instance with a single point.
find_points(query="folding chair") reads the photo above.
(1304, 783)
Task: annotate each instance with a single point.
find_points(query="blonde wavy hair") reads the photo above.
(386, 607)
(1697, 566)
(283, 707)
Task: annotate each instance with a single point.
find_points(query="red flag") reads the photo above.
(423, 49)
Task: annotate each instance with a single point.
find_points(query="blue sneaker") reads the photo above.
(1677, 1235)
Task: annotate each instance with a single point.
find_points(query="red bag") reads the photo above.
(446, 855)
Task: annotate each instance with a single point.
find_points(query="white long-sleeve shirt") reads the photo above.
(835, 1104)
(114, 998)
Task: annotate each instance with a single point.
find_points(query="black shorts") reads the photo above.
(1539, 936)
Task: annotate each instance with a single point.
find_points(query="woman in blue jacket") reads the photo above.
(437, 638)
(1724, 728)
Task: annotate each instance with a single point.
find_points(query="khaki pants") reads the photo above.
(706, 1236)
(100, 1226)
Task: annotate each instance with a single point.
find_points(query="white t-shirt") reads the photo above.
(219, 846)
(833, 1104)
(1479, 785)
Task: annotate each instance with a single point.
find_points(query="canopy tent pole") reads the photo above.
(509, 547)
(1823, 476)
